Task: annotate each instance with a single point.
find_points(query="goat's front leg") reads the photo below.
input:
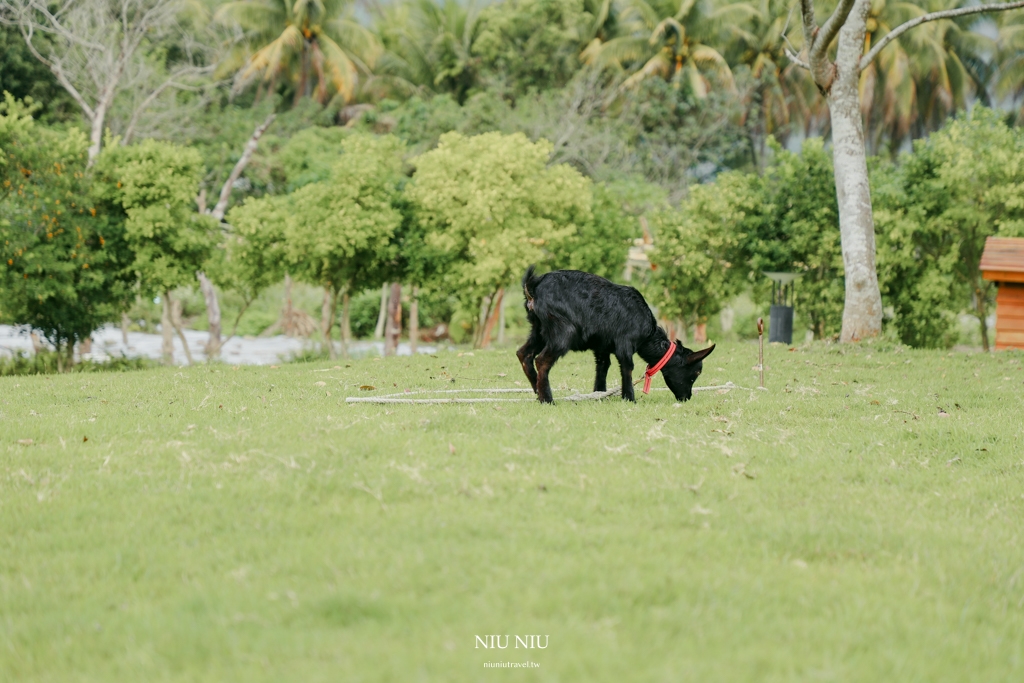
(545, 359)
(604, 362)
(626, 368)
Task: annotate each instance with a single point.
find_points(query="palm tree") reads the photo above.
(428, 45)
(785, 93)
(1009, 81)
(298, 37)
(922, 78)
(669, 38)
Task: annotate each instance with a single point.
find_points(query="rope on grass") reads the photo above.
(401, 398)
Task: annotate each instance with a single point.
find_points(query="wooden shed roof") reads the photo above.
(1003, 259)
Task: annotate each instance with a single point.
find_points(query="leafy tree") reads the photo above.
(300, 39)
(309, 156)
(532, 44)
(340, 231)
(838, 77)
(696, 250)
(253, 257)
(153, 186)
(490, 206)
(793, 226)
(726, 234)
(961, 185)
(24, 76)
(600, 244)
(63, 264)
(680, 137)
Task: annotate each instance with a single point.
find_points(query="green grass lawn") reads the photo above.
(249, 525)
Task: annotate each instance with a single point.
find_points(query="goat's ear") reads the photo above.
(697, 356)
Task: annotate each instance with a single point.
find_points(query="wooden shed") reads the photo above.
(1003, 263)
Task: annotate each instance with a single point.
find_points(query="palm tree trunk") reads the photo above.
(303, 86)
(862, 312)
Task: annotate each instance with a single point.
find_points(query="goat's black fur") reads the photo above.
(574, 311)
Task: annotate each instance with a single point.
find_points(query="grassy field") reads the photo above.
(219, 524)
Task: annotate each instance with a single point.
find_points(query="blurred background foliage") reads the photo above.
(573, 123)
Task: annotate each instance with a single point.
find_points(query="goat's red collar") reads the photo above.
(652, 370)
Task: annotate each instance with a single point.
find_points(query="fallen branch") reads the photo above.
(250, 148)
(400, 398)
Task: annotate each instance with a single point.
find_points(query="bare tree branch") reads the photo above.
(171, 82)
(829, 30)
(810, 24)
(250, 147)
(56, 69)
(97, 49)
(795, 58)
(933, 16)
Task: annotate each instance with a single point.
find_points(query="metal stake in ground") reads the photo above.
(760, 349)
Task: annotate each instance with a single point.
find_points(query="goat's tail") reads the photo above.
(530, 283)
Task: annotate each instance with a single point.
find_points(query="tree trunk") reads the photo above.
(980, 311)
(176, 320)
(414, 320)
(287, 314)
(501, 321)
(37, 343)
(492, 319)
(378, 331)
(862, 312)
(96, 133)
(700, 333)
(167, 331)
(327, 322)
(125, 323)
(394, 323)
(214, 342)
(346, 321)
(481, 321)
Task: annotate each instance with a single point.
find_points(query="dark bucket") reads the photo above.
(780, 324)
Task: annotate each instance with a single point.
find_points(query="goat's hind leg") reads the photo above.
(527, 352)
(604, 362)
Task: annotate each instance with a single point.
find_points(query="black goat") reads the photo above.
(574, 311)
